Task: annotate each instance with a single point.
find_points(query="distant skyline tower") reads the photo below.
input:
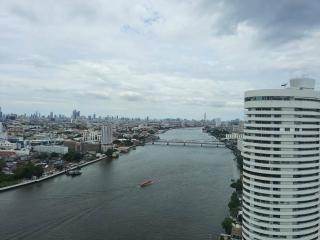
(75, 114)
(205, 116)
(106, 134)
(217, 122)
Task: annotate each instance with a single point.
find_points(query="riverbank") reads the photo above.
(233, 223)
(49, 176)
(57, 173)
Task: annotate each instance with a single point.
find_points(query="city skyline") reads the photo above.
(148, 58)
(77, 113)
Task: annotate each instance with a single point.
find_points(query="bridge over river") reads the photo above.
(180, 142)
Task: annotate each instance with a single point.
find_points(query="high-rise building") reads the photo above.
(106, 134)
(3, 132)
(75, 114)
(281, 188)
(218, 122)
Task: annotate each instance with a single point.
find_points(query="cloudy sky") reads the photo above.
(157, 58)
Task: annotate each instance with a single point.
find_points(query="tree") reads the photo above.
(235, 199)
(128, 142)
(54, 155)
(6, 180)
(152, 131)
(77, 156)
(109, 152)
(227, 225)
(67, 157)
(37, 171)
(43, 156)
(28, 171)
(117, 142)
(72, 156)
(239, 158)
(2, 164)
(237, 185)
(135, 136)
(234, 212)
(234, 204)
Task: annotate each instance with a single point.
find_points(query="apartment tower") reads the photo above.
(281, 188)
(106, 134)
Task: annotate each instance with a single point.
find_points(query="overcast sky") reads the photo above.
(161, 58)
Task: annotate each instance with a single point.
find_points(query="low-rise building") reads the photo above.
(6, 145)
(51, 149)
(91, 136)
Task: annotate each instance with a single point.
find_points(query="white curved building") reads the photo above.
(281, 188)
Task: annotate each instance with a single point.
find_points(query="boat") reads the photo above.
(146, 183)
(73, 173)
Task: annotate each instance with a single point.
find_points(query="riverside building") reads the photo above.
(106, 134)
(280, 152)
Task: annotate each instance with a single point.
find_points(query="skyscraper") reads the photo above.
(75, 114)
(281, 188)
(106, 134)
(218, 122)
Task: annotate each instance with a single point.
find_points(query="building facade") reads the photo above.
(91, 136)
(51, 149)
(106, 134)
(281, 188)
(3, 132)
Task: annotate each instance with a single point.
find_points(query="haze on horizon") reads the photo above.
(152, 58)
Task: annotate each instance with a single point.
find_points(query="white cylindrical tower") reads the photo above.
(281, 187)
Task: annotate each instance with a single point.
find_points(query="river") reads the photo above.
(187, 201)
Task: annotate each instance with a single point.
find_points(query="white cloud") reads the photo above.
(156, 58)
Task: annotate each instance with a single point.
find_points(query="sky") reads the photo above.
(156, 58)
